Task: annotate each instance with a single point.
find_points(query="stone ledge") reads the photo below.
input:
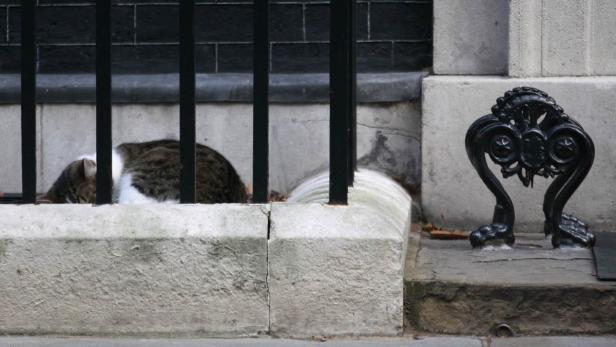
(337, 270)
(222, 87)
(208, 270)
(114, 270)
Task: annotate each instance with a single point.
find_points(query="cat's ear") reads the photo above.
(89, 168)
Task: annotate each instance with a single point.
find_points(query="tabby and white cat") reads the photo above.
(149, 172)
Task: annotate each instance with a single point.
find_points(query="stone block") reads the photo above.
(525, 22)
(146, 270)
(603, 37)
(470, 37)
(336, 270)
(454, 196)
(562, 38)
(565, 37)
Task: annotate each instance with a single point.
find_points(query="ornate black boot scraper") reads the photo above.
(529, 135)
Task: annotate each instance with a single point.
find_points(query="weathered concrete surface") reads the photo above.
(533, 288)
(532, 261)
(562, 38)
(602, 37)
(470, 37)
(10, 147)
(337, 270)
(525, 38)
(454, 196)
(254, 342)
(157, 269)
(555, 341)
(370, 189)
(388, 138)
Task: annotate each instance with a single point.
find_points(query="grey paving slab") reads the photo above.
(255, 342)
(555, 341)
(531, 261)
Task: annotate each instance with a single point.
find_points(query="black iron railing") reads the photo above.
(187, 101)
(260, 145)
(103, 102)
(342, 101)
(342, 82)
(28, 101)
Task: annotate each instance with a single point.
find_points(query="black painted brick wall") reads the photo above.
(392, 36)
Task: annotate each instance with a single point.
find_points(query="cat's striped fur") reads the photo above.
(149, 172)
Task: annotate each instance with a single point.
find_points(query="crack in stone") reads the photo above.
(392, 131)
(520, 259)
(267, 210)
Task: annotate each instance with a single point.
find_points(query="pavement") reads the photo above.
(440, 341)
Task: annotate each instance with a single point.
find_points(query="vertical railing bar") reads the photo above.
(28, 101)
(187, 102)
(339, 97)
(103, 102)
(260, 145)
(352, 100)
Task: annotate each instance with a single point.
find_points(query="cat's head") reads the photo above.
(76, 184)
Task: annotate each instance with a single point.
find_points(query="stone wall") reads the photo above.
(470, 37)
(388, 138)
(544, 44)
(562, 38)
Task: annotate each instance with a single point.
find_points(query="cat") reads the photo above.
(149, 172)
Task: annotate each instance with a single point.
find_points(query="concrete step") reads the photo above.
(532, 288)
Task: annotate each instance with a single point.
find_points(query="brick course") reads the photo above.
(392, 36)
